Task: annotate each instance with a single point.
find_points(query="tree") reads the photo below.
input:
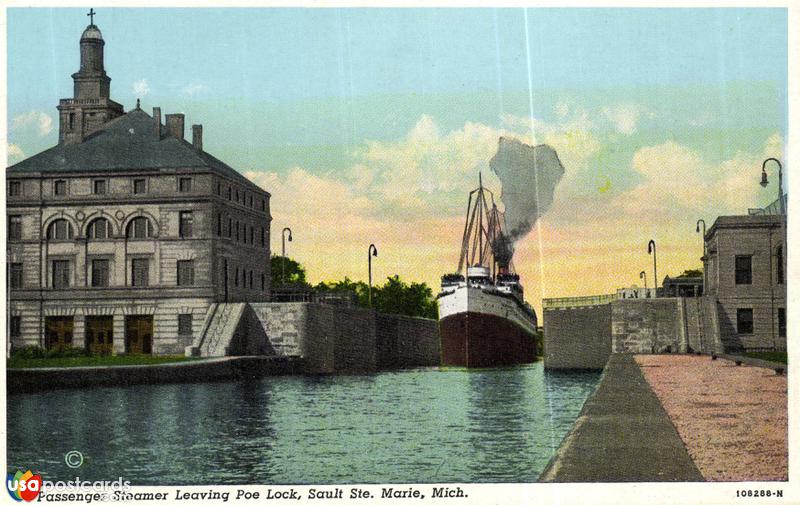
(397, 297)
(295, 273)
(691, 273)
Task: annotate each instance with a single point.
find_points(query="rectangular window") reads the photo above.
(140, 272)
(782, 322)
(14, 188)
(263, 205)
(744, 269)
(185, 272)
(16, 326)
(60, 274)
(230, 227)
(185, 184)
(139, 186)
(100, 273)
(219, 225)
(60, 188)
(236, 278)
(237, 196)
(14, 227)
(184, 324)
(250, 201)
(779, 264)
(186, 224)
(219, 188)
(744, 321)
(252, 235)
(250, 278)
(263, 237)
(229, 193)
(99, 187)
(15, 275)
(237, 231)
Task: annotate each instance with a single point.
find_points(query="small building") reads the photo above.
(123, 236)
(745, 269)
(681, 287)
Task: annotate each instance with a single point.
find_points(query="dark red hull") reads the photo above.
(471, 339)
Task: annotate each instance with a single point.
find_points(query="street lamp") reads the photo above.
(372, 251)
(704, 249)
(643, 276)
(782, 212)
(651, 249)
(283, 253)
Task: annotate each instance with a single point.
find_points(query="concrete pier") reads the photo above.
(623, 434)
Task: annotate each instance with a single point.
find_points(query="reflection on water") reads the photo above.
(425, 425)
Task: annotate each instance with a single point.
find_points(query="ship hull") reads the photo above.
(472, 339)
(482, 329)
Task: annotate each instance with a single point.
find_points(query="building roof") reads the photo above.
(127, 143)
(92, 32)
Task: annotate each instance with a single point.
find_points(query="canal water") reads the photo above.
(423, 425)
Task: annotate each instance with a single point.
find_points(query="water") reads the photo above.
(424, 425)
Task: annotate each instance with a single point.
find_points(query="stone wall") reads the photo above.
(577, 337)
(648, 326)
(338, 339)
(404, 342)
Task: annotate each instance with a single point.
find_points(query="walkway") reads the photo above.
(623, 434)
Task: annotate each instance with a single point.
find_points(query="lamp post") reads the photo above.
(283, 253)
(643, 276)
(704, 249)
(371, 251)
(782, 212)
(651, 249)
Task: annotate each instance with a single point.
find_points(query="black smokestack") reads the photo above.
(528, 176)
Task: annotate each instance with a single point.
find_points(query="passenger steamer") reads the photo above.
(484, 320)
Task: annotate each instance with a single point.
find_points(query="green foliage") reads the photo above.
(37, 352)
(18, 361)
(295, 274)
(776, 356)
(691, 273)
(393, 297)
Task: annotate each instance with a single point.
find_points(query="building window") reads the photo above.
(16, 327)
(252, 235)
(15, 275)
(744, 321)
(100, 273)
(185, 184)
(14, 188)
(237, 196)
(98, 229)
(263, 205)
(140, 227)
(237, 231)
(230, 227)
(14, 227)
(219, 225)
(71, 121)
(219, 188)
(250, 278)
(263, 282)
(60, 188)
(779, 264)
(185, 224)
(229, 193)
(99, 187)
(236, 278)
(60, 274)
(185, 272)
(140, 272)
(782, 322)
(250, 201)
(263, 237)
(139, 186)
(60, 229)
(184, 324)
(744, 269)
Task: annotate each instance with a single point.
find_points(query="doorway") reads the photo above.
(100, 334)
(139, 334)
(58, 331)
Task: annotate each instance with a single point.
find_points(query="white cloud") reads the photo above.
(624, 117)
(37, 119)
(15, 152)
(193, 89)
(141, 88)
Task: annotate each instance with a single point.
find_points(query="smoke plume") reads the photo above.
(529, 176)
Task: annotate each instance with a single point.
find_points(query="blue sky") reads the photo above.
(374, 103)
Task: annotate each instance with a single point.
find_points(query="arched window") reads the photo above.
(139, 227)
(99, 228)
(60, 229)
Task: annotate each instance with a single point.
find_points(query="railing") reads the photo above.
(578, 301)
(772, 209)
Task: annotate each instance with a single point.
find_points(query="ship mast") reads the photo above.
(484, 242)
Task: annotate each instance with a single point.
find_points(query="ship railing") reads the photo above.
(578, 301)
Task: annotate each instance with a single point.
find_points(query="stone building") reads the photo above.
(123, 236)
(745, 269)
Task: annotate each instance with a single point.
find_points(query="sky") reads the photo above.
(371, 125)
